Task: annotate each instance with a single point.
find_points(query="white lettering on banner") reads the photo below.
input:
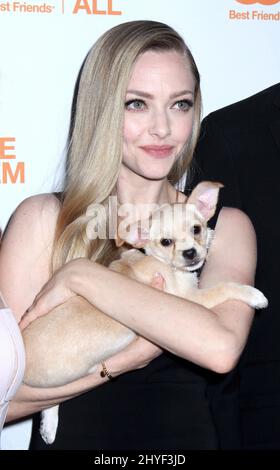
(10, 172)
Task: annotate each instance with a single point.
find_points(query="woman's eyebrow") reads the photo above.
(144, 94)
(180, 93)
(140, 93)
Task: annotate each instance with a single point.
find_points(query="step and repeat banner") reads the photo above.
(42, 46)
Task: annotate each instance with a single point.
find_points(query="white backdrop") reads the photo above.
(43, 44)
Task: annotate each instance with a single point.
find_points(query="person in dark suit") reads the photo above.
(239, 146)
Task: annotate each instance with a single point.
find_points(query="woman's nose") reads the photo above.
(159, 124)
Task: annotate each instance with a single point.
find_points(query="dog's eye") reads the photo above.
(166, 241)
(196, 229)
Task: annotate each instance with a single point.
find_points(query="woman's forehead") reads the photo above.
(169, 67)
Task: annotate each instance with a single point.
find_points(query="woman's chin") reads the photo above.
(154, 176)
(151, 174)
(155, 173)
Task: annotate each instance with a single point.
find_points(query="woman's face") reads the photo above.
(158, 113)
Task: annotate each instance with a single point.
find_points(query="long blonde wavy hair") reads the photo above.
(95, 144)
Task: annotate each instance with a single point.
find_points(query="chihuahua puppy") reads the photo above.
(70, 341)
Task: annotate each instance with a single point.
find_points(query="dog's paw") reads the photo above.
(49, 423)
(258, 300)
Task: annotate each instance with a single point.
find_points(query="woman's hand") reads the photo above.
(55, 292)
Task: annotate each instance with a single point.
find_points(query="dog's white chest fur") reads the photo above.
(180, 282)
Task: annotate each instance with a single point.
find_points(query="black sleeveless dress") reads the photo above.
(162, 406)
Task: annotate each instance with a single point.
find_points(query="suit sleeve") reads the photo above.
(214, 161)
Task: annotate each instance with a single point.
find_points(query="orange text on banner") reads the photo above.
(4, 148)
(12, 176)
(10, 173)
(91, 8)
(236, 15)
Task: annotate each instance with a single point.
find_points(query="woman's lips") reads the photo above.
(158, 151)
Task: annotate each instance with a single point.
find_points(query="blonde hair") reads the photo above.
(95, 145)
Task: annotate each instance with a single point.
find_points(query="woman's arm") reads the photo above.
(26, 250)
(211, 338)
(29, 400)
(24, 268)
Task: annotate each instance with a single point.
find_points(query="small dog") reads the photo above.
(70, 341)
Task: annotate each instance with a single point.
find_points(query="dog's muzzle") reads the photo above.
(195, 265)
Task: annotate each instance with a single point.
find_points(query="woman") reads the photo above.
(136, 125)
(12, 358)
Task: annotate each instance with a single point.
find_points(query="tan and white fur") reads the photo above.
(70, 341)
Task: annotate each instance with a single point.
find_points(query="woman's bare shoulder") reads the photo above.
(233, 215)
(39, 211)
(232, 254)
(30, 231)
(41, 204)
(234, 227)
(26, 250)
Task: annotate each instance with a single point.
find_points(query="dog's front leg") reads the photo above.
(49, 423)
(223, 291)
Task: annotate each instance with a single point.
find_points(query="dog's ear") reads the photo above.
(118, 240)
(134, 234)
(205, 198)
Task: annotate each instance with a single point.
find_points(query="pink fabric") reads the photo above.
(12, 360)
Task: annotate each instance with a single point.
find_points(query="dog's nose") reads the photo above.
(189, 254)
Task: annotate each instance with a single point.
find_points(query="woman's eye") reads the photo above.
(135, 105)
(183, 105)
